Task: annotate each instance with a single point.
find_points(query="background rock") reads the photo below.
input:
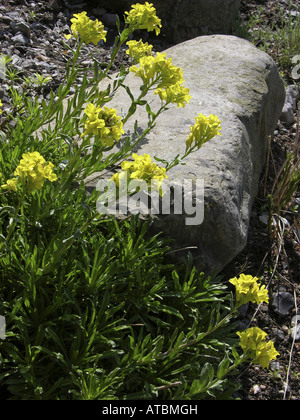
(228, 77)
(186, 19)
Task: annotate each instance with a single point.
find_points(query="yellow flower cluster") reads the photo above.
(87, 29)
(1, 104)
(158, 70)
(175, 94)
(103, 123)
(253, 343)
(141, 168)
(203, 130)
(138, 49)
(169, 79)
(143, 16)
(31, 173)
(249, 290)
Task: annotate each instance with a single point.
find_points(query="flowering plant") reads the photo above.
(143, 16)
(249, 290)
(252, 340)
(254, 344)
(87, 29)
(91, 301)
(31, 173)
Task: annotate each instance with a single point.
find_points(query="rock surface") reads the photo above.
(228, 77)
(187, 19)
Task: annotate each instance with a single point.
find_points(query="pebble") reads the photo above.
(282, 303)
(109, 19)
(20, 39)
(290, 106)
(256, 389)
(278, 334)
(22, 27)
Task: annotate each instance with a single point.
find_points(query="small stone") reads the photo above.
(255, 389)
(29, 64)
(109, 19)
(290, 105)
(264, 218)
(285, 329)
(22, 27)
(278, 333)
(19, 39)
(282, 303)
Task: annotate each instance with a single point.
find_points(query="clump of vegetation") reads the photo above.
(93, 307)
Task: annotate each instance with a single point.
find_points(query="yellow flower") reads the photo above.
(11, 184)
(31, 173)
(203, 130)
(265, 352)
(138, 49)
(1, 104)
(253, 343)
(142, 168)
(248, 290)
(87, 29)
(103, 123)
(143, 16)
(176, 94)
(158, 70)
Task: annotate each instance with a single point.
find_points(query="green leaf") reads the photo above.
(223, 368)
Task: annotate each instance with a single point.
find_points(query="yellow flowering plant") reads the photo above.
(252, 340)
(143, 16)
(205, 128)
(141, 168)
(249, 290)
(69, 271)
(1, 104)
(87, 29)
(104, 124)
(138, 49)
(254, 344)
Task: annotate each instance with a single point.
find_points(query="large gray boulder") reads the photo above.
(232, 79)
(186, 19)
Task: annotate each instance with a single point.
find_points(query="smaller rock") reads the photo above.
(264, 218)
(256, 389)
(109, 19)
(295, 330)
(20, 39)
(279, 334)
(29, 64)
(22, 27)
(290, 106)
(282, 303)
